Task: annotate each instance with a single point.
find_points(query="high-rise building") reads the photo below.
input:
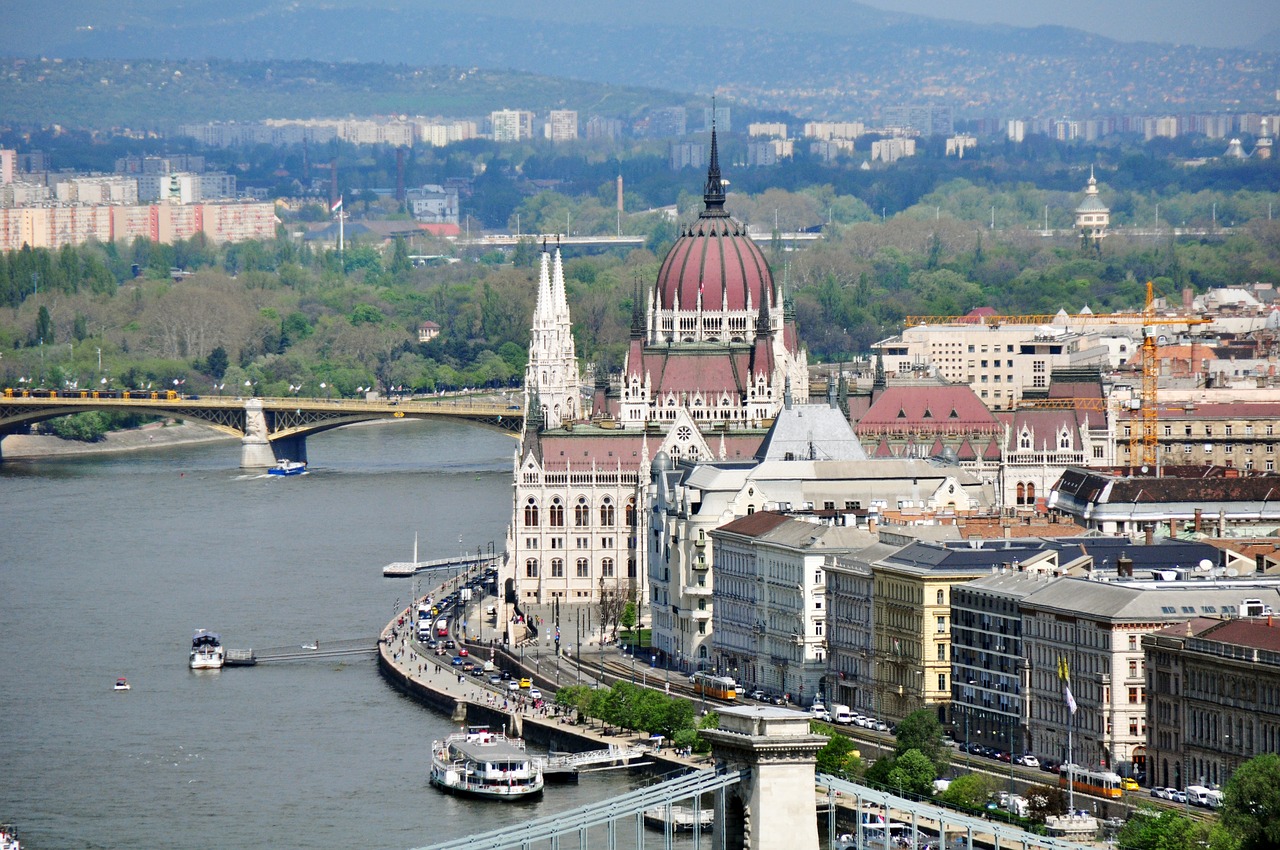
(511, 125)
(562, 125)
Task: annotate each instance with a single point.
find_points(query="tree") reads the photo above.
(1167, 830)
(912, 773)
(1251, 802)
(922, 732)
(217, 363)
(970, 791)
(44, 326)
(840, 758)
(1044, 800)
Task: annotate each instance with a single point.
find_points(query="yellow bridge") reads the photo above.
(270, 429)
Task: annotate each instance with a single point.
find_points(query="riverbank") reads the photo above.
(157, 435)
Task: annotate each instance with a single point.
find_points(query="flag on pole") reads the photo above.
(1064, 673)
(337, 205)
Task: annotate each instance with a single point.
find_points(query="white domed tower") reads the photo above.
(1092, 216)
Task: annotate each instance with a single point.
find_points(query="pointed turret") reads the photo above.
(713, 191)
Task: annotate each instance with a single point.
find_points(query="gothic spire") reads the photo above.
(713, 192)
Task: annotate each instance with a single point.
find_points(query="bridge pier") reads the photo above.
(774, 806)
(255, 448)
(257, 451)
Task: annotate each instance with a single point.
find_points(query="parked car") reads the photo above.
(757, 694)
(879, 726)
(1028, 760)
(1128, 783)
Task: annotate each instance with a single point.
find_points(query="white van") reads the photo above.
(1198, 795)
(841, 714)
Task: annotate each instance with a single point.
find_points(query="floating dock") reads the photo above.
(407, 569)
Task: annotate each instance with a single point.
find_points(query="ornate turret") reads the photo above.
(713, 191)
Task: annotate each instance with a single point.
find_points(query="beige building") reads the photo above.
(999, 361)
(1213, 697)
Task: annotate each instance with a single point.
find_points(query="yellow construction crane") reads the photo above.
(1146, 437)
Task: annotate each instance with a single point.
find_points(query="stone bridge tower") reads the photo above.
(775, 807)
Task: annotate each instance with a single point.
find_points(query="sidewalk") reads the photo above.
(409, 659)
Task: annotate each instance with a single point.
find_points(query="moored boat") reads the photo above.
(288, 467)
(206, 651)
(681, 818)
(481, 763)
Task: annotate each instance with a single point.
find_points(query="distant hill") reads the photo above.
(818, 57)
(160, 94)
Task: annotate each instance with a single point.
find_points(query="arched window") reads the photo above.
(606, 568)
(631, 512)
(1031, 493)
(1024, 440)
(582, 513)
(1022, 494)
(555, 514)
(1064, 439)
(557, 568)
(939, 597)
(531, 513)
(584, 568)
(606, 512)
(631, 567)
(531, 568)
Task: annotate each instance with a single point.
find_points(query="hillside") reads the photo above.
(159, 94)
(810, 57)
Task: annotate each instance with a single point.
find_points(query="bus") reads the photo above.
(1103, 783)
(718, 687)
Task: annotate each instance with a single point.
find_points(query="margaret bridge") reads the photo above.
(270, 429)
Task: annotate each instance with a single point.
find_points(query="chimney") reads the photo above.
(1149, 534)
(1124, 566)
(1199, 516)
(1188, 298)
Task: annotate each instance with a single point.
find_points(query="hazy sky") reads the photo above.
(1211, 23)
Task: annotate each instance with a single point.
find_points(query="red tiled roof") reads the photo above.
(682, 370)
(716, 258)
(921, 408)
(753, 525)
(1257, 634)
(566, 450)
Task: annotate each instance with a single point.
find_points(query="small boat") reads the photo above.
(288, 467)
(313, 646)
(8, 841)
(682, 818)
(480, 763)
(206, 651)
(122, 684)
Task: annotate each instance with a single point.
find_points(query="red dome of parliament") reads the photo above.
(714, 256)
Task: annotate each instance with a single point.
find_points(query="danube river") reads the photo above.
(108, 564)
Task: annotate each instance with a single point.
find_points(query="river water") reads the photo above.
(108, 564)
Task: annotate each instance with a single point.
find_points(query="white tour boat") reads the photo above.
(288, 467)
(206, 651)
(481, 763)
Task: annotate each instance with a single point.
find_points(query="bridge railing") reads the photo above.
(608, 813)
(901, 809)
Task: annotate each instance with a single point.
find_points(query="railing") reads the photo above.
(607, 814)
